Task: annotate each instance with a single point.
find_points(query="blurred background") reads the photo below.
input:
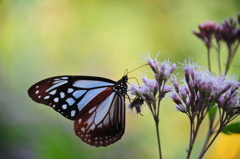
(44, 38)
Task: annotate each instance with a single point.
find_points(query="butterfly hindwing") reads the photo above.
(104, 123)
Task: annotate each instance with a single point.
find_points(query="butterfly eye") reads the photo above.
(96, 104)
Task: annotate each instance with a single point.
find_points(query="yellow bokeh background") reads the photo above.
(44, 38)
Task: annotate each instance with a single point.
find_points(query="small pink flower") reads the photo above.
(181, 109)
(151, 83)
(152, 63)
(176, 98)
(135, 90)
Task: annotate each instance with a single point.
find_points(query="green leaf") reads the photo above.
(212, 112)
(233, 128)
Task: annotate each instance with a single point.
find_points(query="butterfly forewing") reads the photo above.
(66, 94)
(96, 104)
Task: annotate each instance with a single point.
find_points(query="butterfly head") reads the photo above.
(121, 86)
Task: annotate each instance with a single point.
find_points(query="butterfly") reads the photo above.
(96, 104)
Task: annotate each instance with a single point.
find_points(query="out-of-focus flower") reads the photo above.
(207, 31)
(228, 101)
(202, 90)
(228, 31)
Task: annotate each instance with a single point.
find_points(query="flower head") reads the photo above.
(229, 98)
(153, 89)
(230, 32)
(207, 31)
(153, 63)
(202, 90)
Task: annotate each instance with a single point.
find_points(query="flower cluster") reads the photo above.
(152, 89)
(228, 101)
(207, 31)
(228, 31)
(202, 90)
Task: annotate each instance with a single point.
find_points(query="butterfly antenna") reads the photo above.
(126, 72)
(135, 69)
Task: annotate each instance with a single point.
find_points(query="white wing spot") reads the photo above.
(37, 92)
(79, 121)
(37, 86)
(64, 78)
(64, 106)
(62, 95)
(53, 92)
(70, 101)
(56, 99)
(89, 140)
(70, 90)
(39, 96)
(53, 106)
(83, 129)
(73, 112)
(46, 97)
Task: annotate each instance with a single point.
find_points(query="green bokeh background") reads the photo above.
(44, 38)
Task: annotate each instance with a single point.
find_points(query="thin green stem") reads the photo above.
(209, 61)
(205, 150)
(156, 118)
(194, 133)
(158, 136)
(190, 139)
(209, 134)
(228, 59)
(211, 130)
(235, 50)
(219, 59)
